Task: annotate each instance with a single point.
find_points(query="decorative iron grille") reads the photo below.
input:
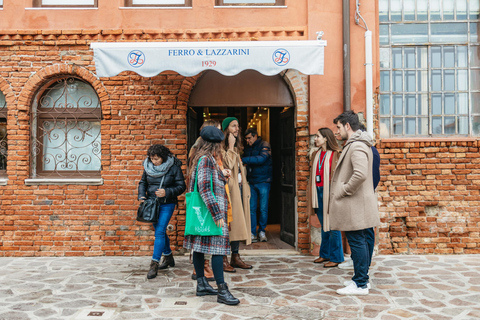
(3, 134)
(66, 130)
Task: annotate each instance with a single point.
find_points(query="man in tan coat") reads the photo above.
(353, 203)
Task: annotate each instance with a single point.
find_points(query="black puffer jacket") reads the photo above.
(174, 184)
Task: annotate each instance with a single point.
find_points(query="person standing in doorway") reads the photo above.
(353, 203)
(322, 168)
(239, 189)
(258, 159)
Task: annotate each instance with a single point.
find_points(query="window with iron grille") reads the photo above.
(429, 68)
(1, 3)
(158, 3)
(66, 117)
(249, 2)
(65, 3)
(3, 134)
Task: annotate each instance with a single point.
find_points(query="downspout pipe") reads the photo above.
(369, 81)
(346, 56)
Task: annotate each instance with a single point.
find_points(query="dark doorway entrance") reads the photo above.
(266, 104)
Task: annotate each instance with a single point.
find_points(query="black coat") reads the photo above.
(174, 185)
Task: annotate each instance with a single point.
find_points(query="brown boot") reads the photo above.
(226, 266)
(237, 262)
(207, 272)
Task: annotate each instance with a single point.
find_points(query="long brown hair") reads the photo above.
(238, 141)
(193, 149)
(332, 144)
(204, 148)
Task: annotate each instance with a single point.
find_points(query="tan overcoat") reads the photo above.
(240, 225)
(353, 202)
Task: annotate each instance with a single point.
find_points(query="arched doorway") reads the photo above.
(264, 102)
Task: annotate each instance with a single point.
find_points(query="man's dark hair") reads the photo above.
(159, 150)
(252, 131)
(349, 117)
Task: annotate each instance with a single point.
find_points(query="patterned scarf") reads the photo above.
(158, 171)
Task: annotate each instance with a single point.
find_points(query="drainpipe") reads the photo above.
(368, 69)
(369, 81)
(346, 56)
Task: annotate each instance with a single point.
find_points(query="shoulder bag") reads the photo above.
(149, 208)
(199, 221)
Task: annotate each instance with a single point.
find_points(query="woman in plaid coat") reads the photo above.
(218, 246)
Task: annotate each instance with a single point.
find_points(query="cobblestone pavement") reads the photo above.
(278, 287)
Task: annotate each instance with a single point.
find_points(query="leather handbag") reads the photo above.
(149, 209)
(199, 220)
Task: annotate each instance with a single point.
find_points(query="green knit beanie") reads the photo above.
(227, 121)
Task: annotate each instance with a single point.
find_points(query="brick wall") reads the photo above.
(91, 220)
(430, 197)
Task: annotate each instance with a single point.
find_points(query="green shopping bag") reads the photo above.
(199, 221)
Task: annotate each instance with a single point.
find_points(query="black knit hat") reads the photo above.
(212, 134)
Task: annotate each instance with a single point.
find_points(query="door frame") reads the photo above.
(299, 88)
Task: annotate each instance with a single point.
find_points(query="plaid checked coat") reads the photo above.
(215, 245)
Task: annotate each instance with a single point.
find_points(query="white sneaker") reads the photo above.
(347, 265)
(262, 237)
(353, 290)
(349, 282)
(254, 239)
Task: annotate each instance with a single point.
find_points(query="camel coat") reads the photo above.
(353, 202)
(240, 225)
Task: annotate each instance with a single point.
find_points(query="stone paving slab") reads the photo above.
(286, 287)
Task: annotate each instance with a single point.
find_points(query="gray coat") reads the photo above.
(353, 202)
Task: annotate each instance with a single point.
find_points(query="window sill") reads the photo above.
(250, 7)
(61, 8)
(427, 139)
(50, 181)
(3, 181)
(153, 8)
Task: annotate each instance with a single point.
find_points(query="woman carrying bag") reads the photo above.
(162, 179)
(206, 174)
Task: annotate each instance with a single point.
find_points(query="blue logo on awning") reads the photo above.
(136, 58)
(281, 57)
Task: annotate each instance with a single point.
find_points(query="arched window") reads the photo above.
(66, 130)
(3, 134)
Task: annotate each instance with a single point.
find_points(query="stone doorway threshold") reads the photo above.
(274, 245)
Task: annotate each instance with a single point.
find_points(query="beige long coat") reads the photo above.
(353, 202)
(240, 225)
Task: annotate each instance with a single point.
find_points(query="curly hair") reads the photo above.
(160, 151)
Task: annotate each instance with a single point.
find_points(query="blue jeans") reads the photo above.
(162, 243)
(262, 191)
(361, 243)
(331, 247)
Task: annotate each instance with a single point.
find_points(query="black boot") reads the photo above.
(203, 288)
(152, 273)
(167, 261)
(224, 296)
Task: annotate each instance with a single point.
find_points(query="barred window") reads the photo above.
(65, 3)
(3, 134)
(158, 3)
(249, 2)
(429, 68)
(66, 119)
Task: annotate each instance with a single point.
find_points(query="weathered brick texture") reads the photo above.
(88, 220)
(430, 197)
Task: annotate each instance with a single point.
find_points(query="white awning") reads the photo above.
(190, 58)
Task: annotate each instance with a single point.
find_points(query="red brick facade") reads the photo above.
(430, 197)
(429, 194)
(76, 220)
